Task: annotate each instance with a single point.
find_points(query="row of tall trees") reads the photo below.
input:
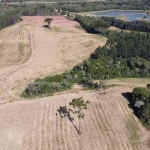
(92, 24)
(9, 18)
(81, 6)
(41, 9)
(128, 25)
(12, 14)
(127, 45)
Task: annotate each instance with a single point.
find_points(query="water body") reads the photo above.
(127, 15)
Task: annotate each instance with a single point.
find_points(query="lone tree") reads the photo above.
(65, 112)
(48, 20)
(79, 105)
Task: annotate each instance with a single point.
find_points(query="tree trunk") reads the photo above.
(79, 127)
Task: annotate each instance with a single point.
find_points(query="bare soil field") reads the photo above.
(28, 51)
(109, 124)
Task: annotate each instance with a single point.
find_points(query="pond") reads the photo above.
(125, 15)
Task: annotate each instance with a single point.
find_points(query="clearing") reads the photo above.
(29, 51)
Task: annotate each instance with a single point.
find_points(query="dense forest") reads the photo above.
(140, 102)
(9, 18)
(128, 25)
(40, 9)
(124, 55)
(10, 14)
(92, 25)
(105, 5)
(80, 6)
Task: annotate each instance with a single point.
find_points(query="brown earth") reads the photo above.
(109, 124)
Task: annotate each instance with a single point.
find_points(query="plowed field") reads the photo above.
(109, 124)
(28, 51)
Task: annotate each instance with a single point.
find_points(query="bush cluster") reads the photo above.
(141, 104)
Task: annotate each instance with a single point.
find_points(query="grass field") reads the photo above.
(14, 45)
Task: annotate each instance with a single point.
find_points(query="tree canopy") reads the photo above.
(141, 103)
(48, 20)
(78, 106)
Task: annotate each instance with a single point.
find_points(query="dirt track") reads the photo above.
(52, 51)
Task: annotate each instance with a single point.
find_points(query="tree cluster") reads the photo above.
(9, 18)
(128, 25)
(40, 10)
(105, 5)
(141, 103)
(92, 24)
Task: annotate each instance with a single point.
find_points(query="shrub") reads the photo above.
(141, 104)
(148, 85)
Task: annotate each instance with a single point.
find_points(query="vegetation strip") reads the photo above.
(124, 55)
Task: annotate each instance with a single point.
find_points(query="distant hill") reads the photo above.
(142, 2)
(58, 1)
(63, 1)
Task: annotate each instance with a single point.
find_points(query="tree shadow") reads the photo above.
(64, 112)
(128, 97)
(45, 26)
(90, 84)
(99, 88)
